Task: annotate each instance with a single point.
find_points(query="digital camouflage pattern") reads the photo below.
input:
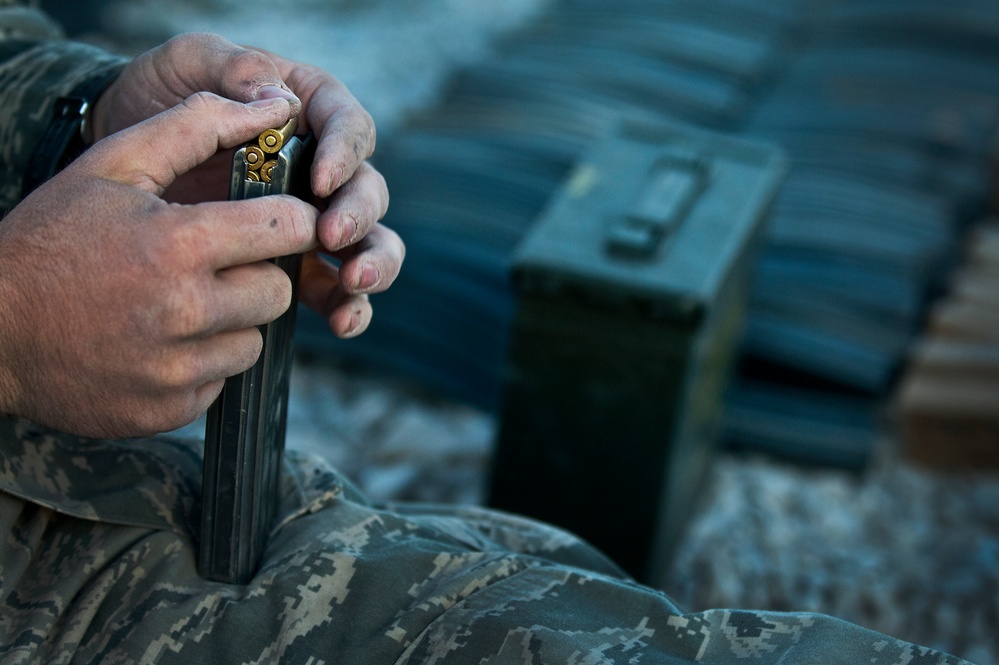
(36, 68)
(98, 566)
(97, 563)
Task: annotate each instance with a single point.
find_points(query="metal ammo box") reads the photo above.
(632, 289)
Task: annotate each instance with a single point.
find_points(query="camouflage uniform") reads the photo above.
(98, 562)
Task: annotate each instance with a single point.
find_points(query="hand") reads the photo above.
(350, 193)
(122, 314)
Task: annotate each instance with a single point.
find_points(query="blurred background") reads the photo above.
(779, 379)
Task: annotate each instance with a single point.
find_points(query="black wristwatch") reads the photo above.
(63, 138)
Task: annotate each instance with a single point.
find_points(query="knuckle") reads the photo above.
(187, 313)
(311, 77)
(180, 372)
(379, 188)
(371, 131)
(165, 248)
(247, 65)
(180, 46)
(201, 101)
(183, 44)
(174, 252)
(361, 130)
(297, 224)
(171, 282)
(366, 134)
(194, 316)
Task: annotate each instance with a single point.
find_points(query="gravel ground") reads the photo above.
(898, 549)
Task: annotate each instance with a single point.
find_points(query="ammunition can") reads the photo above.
(632, 289)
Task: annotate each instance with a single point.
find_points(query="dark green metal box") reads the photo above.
(632, 289)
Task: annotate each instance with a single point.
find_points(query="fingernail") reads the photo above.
(335, 179)
(277, 92)
(369, 277)
(264, 103)
(348, 230)
(355, 324)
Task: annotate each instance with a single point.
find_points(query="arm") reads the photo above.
(350, 194)
(122, 314)
(36, 68)
(122, 310)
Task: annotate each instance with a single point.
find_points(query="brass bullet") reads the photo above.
(272, 140)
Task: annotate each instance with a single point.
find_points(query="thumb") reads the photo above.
(203, 61)
(153, 153)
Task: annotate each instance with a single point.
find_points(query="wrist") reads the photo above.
(97, 122)
(65, 137)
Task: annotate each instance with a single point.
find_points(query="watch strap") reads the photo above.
(62, 141)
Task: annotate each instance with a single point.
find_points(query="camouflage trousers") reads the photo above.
(98, 566)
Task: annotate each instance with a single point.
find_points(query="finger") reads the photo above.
(230, 353)
(346, 132)
(354, 209)
(151, 154)
(350, 317)
(249, 295)
(347, 315)
(346, 140)
(371, 265)
(205, 395)
(232, 233)
(203, 360)
(204, 61)
(226, 354)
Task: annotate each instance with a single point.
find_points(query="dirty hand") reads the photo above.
(122, 314)
(350, 193)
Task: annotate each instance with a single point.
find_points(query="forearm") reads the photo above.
(36, 68)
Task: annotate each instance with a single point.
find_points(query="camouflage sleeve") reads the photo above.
(36, 68)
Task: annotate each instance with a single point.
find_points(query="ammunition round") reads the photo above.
(266, 169)
(253, 175)
(272, 140)
(254, 157)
